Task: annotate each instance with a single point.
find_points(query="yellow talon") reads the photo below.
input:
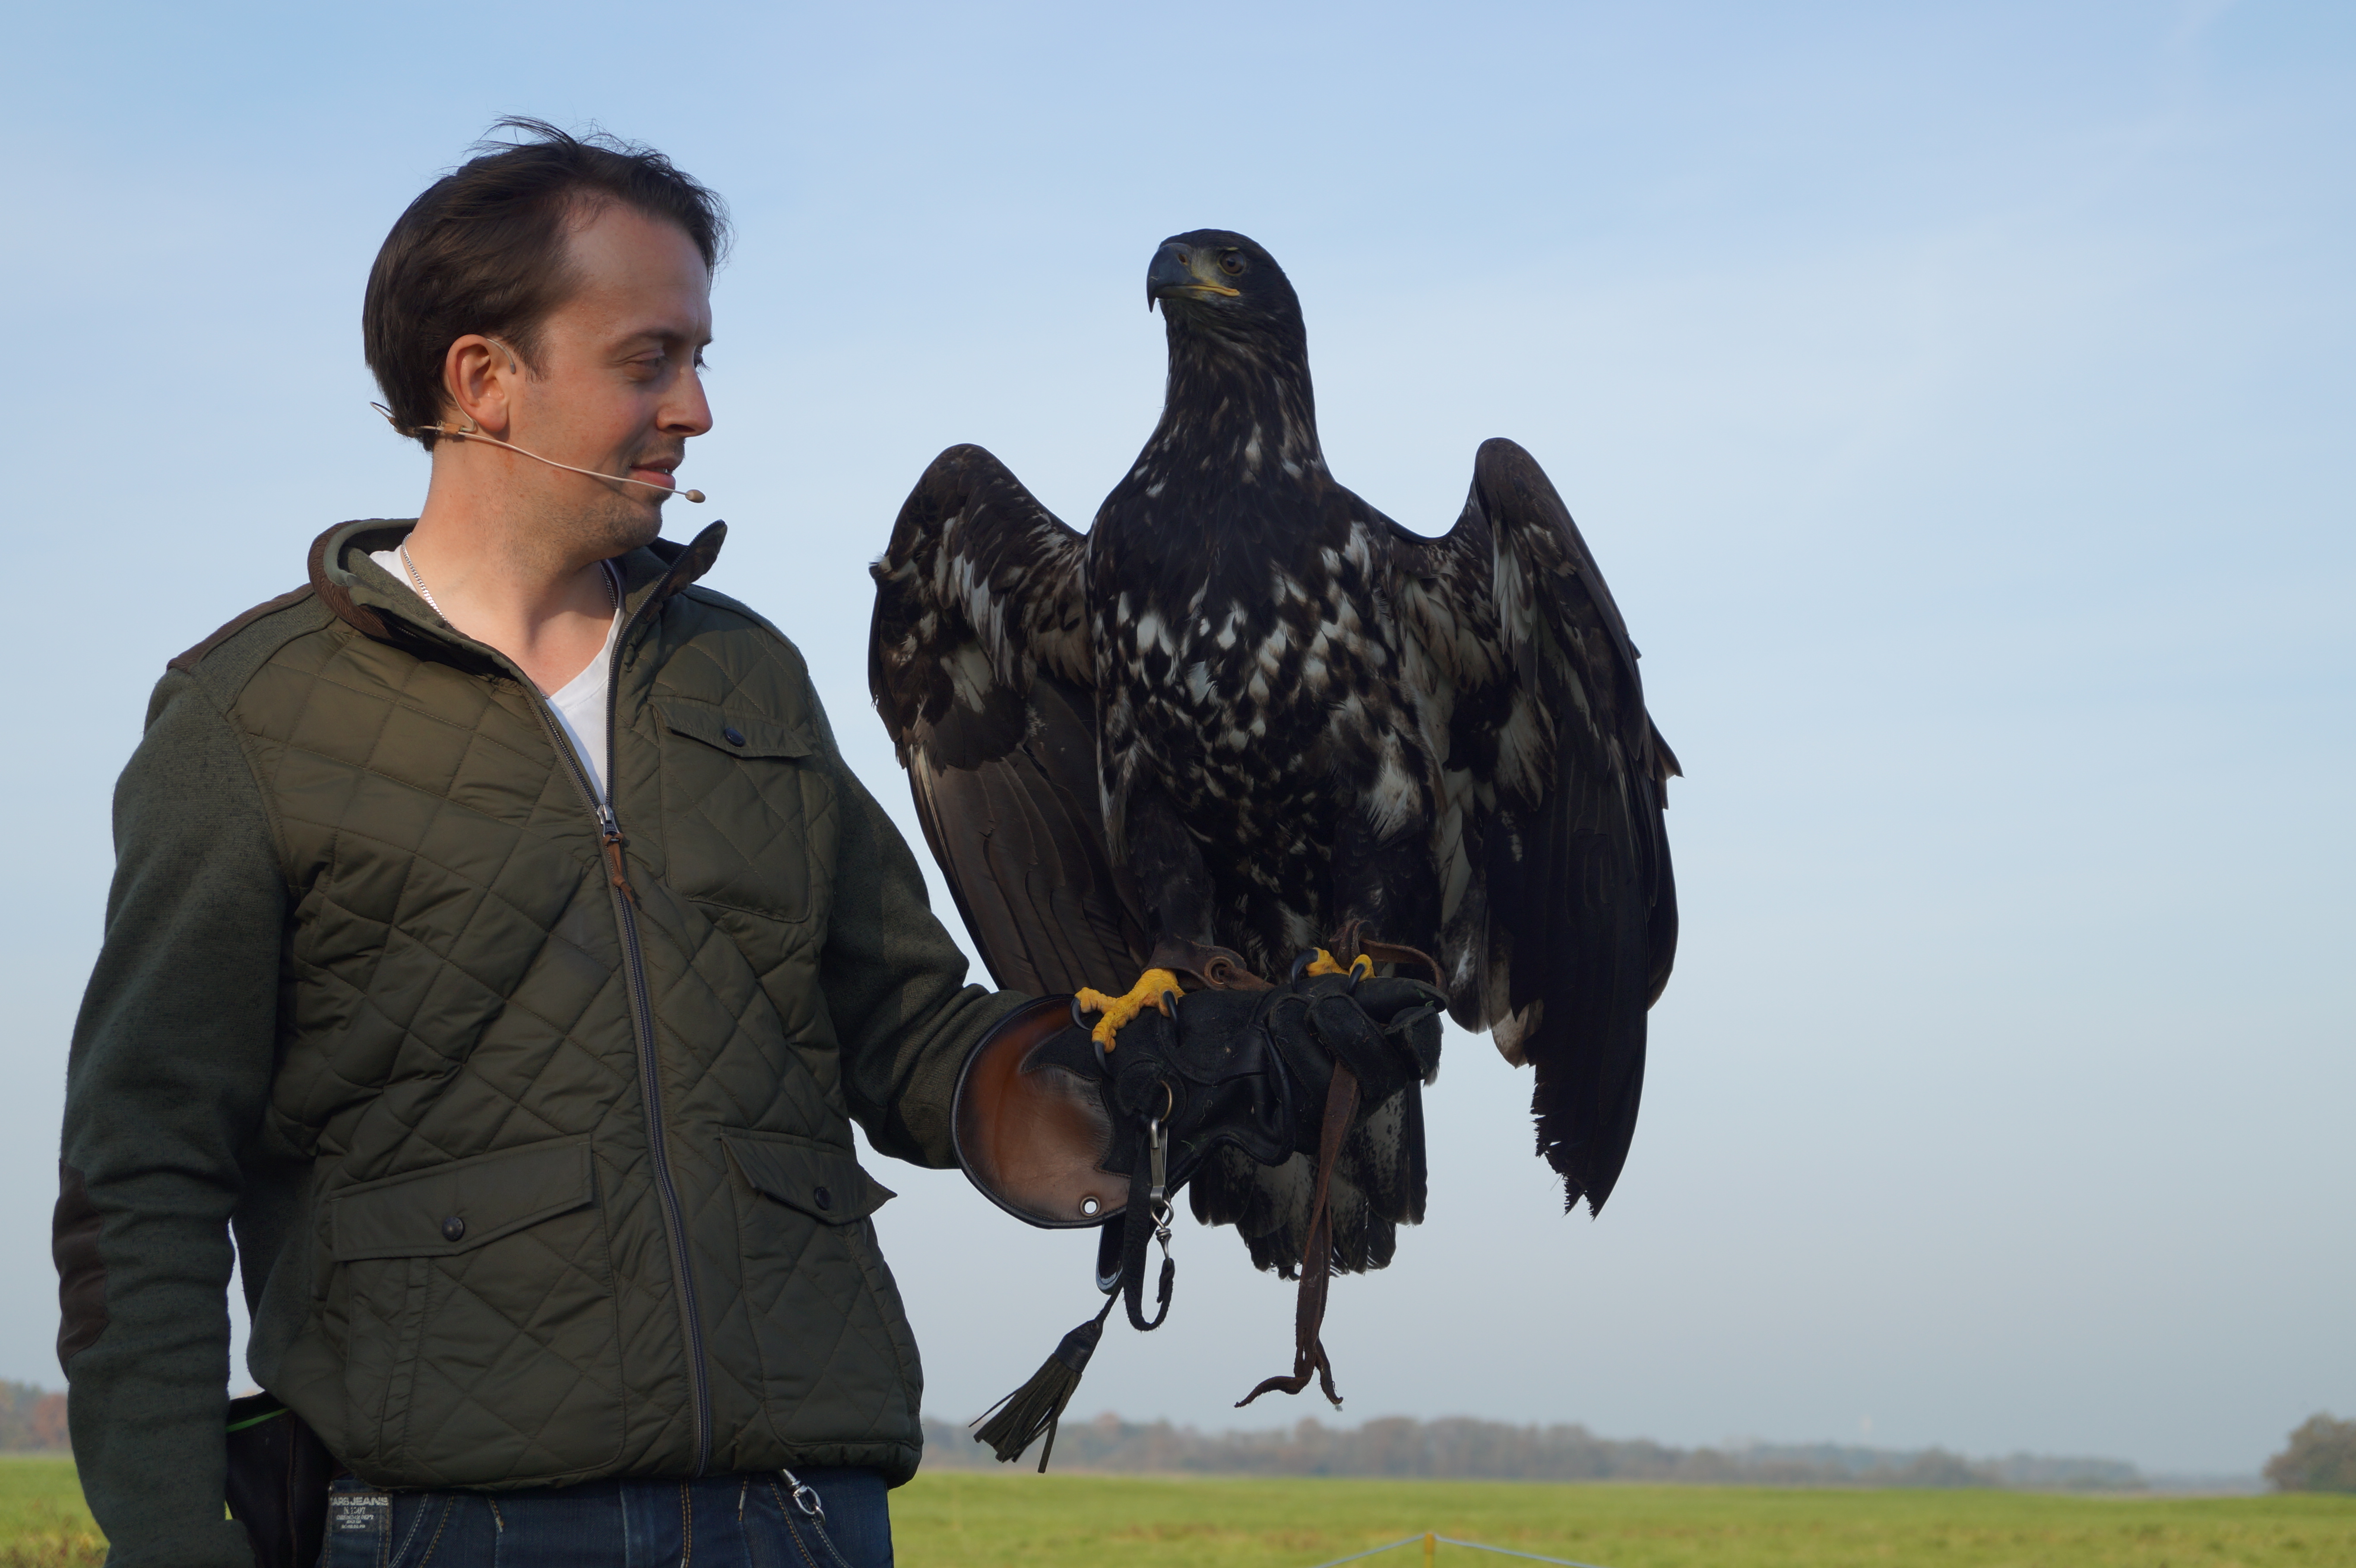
(1362, 966)
(1152, 991)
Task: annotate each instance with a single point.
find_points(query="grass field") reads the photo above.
(42, 1521)
(1052, 1522)
(953, 1520)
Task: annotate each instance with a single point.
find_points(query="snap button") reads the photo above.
(732, 735)
(453, 1227)
(822, 1197)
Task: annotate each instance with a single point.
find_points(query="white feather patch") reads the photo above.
(1394, 798)
(970, 674)
(1510, 1031)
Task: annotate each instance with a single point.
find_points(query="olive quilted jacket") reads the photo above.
(531, 1121)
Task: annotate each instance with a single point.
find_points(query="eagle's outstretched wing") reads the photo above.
(1561, 916)
(977, 662)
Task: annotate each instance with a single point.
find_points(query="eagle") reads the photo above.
(1248, 723)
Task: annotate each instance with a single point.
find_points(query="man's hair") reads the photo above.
(483, 250)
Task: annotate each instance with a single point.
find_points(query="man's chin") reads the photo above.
(637, 516)
(646, 529)
(631, 523)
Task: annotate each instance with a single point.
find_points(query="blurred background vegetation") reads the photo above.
(2320, 1458)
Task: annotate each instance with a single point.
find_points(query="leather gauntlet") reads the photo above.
(1061, 1132)
(1043, 1119)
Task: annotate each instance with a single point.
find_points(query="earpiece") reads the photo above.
(454, 434)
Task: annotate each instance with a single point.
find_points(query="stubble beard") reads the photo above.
(611, 525)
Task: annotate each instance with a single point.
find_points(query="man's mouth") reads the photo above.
(649, 473)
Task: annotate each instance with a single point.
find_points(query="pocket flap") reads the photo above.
(738, 734)
(458, 1207)
(821, 1180)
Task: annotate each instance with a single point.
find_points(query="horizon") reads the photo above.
(1958, 403)
(26, 1428)
(964, 1454)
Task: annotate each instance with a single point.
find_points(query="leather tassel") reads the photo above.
(1014, 1422)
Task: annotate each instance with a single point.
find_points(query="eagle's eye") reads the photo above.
(1232, 263)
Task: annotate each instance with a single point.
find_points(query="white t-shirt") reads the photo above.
(580, 704)
(580, 707)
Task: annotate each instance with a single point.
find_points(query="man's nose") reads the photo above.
(688, 411)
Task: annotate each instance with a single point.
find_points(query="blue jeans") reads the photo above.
(840, 1521)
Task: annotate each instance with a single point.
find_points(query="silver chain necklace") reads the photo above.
(613, 586)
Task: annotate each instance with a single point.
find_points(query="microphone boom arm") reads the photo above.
(443, 429)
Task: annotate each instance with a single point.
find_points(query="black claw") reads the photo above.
(1300, 965)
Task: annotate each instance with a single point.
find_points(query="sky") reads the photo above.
(1957, 398)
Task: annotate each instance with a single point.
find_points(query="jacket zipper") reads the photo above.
(642, 1025)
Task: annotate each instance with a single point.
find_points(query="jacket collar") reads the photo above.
(374, 602)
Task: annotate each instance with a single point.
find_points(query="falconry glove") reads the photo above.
(1254, 1068)
(1048, 1124)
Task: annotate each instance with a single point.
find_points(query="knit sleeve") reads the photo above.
(168, 1079)
(895, 984)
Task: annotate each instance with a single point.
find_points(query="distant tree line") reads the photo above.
(2320, 1458)
(31, 1420)
(1466, 1449)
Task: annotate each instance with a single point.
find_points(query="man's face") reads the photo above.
(617, 387)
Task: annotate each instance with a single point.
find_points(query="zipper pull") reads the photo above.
(611, 832)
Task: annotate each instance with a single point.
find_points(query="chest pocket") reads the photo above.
(740, 802)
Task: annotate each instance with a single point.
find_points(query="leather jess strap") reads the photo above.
(1317, 1256)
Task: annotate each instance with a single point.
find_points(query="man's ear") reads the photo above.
(479, 376)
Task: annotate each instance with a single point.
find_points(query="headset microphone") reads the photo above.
(453, 434)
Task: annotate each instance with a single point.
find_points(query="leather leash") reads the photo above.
(1317, 1256)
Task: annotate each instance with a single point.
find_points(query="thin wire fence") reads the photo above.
(1432, 1543)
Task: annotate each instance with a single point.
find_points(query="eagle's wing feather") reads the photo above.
(1560, 918)
(977, 662)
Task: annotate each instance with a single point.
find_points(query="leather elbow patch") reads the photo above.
(81, 1270)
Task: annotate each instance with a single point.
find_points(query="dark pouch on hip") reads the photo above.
(278, 1476)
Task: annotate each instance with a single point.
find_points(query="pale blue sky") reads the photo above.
(1958, 399)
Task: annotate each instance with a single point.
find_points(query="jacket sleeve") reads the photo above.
(904, 1017)
(168, 1081)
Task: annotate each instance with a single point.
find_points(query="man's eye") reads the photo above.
(1232, 263)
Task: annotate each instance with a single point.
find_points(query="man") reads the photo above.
(500, 948)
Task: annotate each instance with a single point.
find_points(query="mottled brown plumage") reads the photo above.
(1246, 707)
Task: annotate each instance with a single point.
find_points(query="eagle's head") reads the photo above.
(1220, 285)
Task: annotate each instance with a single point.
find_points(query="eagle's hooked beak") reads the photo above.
(1184, 270)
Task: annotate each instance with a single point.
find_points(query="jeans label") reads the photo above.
(370, 1513)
